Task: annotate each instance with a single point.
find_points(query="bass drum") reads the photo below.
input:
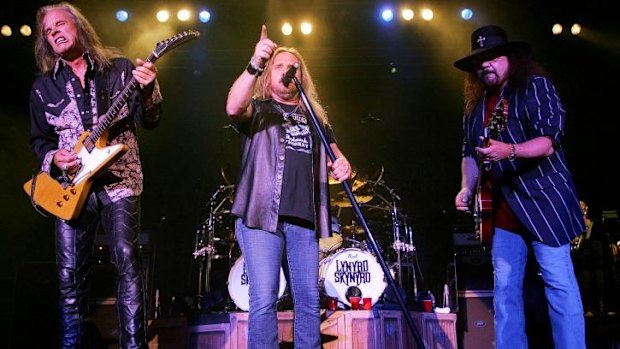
(239, 286)
(351, 267)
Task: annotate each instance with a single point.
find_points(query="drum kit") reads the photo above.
(347, 265)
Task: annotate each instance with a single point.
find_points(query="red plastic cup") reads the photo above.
(428, 305)
(367, 303)
(333, 304)
(355, 303)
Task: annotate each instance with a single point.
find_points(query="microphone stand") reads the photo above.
(358, 212)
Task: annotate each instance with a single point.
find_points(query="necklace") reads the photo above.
(284, 113)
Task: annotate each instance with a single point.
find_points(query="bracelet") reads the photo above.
(254, 70)
(513, 153)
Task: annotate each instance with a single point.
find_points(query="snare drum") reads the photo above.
(239, 285)
(352, 267)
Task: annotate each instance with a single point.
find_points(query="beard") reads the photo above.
(490, 79)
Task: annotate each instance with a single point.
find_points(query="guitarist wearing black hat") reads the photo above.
(513, 125)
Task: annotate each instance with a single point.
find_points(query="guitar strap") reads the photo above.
(105, 82)
(103, 89)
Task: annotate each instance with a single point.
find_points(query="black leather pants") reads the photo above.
(74, 247)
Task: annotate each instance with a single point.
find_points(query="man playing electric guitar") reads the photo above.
(79, 79)
(534, 201)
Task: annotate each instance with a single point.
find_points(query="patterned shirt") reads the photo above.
(61, 110)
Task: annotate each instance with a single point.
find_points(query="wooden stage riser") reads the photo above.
(352, 329)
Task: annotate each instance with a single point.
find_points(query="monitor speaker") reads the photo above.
(475, 320)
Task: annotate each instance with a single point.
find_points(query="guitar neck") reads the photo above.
(106, 120)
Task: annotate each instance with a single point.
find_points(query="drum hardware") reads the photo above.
(204, 248)
(225, 172)
(403, 244)
(357, 244)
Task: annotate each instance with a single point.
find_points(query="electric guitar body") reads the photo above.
(65, 199)
(483, 211)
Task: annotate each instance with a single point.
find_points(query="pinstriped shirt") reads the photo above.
(540, 192)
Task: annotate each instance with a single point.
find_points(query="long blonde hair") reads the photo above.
(87, 38)
(262, 88)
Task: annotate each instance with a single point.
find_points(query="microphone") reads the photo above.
(290, 74)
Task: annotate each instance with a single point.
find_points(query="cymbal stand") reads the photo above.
(411, 253)
(397, 242)
(204, 244)
(318, 128)
(203, 251)
(403, 230)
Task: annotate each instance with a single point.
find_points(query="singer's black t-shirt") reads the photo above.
(297, 184)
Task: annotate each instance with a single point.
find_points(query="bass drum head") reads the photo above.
(239, 285)
(352, 267)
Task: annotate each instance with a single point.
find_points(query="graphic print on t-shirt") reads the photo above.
(297, 133)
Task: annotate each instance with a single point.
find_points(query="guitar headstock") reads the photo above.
(174, 41)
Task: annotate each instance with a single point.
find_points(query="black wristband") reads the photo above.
(253, 70)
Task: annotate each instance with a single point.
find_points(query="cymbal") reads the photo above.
(332, 181)
(352, 229)
(358, 184)
(229, 173)
(376, 211)
(343, 200)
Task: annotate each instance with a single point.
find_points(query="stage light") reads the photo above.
(204, 16)
(163, 16)
(557, 29)
(575, 29)
(306, 28)
(287, 29)
(407, 14)
(427, 14)
(25, 30)
(122, 15)
(467, 14)
(183, 15)
(6, 30)
(387, 15)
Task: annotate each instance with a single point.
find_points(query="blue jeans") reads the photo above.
(296, 249)
(509, 254)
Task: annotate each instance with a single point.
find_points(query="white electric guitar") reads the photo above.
(65, 199)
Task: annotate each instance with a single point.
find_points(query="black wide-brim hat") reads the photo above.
(489, 42)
